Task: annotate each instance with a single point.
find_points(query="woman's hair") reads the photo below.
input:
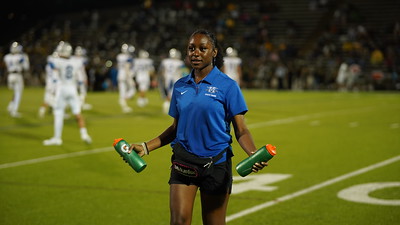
(218, 61)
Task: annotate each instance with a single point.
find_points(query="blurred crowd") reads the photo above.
(367, 59)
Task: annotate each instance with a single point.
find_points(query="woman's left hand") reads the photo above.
(259, 166)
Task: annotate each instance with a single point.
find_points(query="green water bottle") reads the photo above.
(133, 159)
(263, 154)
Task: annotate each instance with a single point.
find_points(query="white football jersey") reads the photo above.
(82, 60)
(67, 81)
(68, 71)
(231, 65)
(143, 67)
(51, 72)
(16, 63)
(124, 66)
(172, 69)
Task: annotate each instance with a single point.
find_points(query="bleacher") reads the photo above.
(259, 30)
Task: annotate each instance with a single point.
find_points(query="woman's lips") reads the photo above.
(195, 61)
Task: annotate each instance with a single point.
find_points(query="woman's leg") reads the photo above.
(214, 192)
(182, 198)
(214, 208)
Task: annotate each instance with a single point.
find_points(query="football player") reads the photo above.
(171, 69)
(126, 84)
(233, 65)
(67, 94)
(50, 79)
(17, 62)
(143, 70)
(80, 56)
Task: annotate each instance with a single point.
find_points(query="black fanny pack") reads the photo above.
(191, 165)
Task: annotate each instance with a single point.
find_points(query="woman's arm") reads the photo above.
(163, 139)
(245, 139)
(243, 135)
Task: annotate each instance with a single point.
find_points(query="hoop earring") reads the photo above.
(214, 60)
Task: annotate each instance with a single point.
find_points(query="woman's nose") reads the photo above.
(196, 52)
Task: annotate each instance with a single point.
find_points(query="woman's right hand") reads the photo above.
(138, 149)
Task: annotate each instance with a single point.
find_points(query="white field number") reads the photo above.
(357, 193)
(360, 193)
(258, 182)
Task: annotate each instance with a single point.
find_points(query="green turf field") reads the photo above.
(327, 143)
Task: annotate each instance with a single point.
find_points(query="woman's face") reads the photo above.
(200, 51)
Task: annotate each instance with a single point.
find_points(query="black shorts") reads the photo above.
(218, 182)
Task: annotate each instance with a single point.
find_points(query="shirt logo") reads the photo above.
(183, 92)
(211, 91)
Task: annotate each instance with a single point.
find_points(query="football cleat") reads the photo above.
(86, 138)
(52, 141)
(15, 114)
(127, 109)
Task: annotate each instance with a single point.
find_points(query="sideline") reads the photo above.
(311, 189)
(54, 157)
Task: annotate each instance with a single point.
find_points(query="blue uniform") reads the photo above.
(205, 111)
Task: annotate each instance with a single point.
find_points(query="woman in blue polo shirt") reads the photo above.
(204, 104)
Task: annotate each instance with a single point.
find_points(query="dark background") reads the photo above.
(18, 16)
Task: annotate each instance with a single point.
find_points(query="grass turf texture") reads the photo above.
(319, 136)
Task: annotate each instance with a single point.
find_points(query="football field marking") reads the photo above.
(254, 125)
(54, 157)
(360, 193)
(313, 116)
(310, 189)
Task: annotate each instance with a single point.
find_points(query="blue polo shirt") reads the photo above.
(205, 111)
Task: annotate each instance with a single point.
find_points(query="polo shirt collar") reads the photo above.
(208, 79)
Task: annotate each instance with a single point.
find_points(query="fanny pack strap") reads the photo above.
(206, 162)
(215, 158)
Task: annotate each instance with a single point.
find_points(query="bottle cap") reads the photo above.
(116, 141)
(271, 149)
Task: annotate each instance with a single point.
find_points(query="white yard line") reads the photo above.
(307, 117)
(54, 157)
(311, 189)
(254, 125)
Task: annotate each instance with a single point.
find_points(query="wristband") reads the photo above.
(146, 150)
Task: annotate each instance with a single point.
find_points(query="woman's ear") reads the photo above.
(215, 52)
